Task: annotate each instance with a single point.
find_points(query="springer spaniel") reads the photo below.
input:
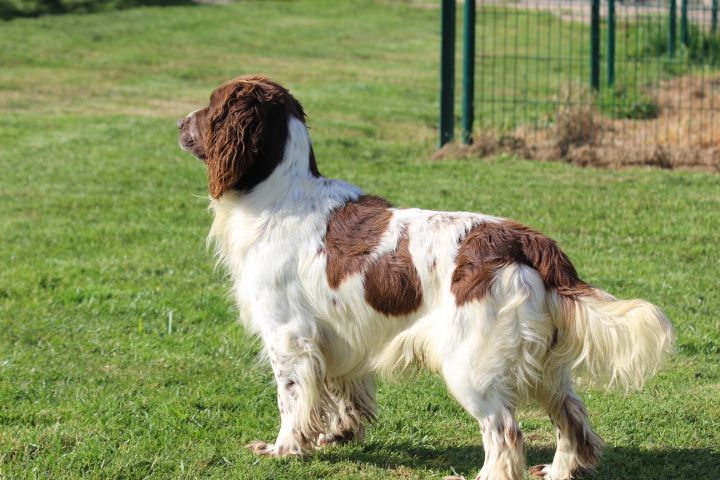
(341, 286)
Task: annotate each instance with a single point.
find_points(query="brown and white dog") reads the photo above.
(341, 286)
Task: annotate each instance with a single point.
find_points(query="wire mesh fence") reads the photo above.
(600, 81)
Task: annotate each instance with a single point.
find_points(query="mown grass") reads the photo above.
(102, 221)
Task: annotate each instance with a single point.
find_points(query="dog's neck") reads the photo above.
(291, 202)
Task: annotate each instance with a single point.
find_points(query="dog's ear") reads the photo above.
(247, 134)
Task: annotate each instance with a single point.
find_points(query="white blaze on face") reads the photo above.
(193, 125)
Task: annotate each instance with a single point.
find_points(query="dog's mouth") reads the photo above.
(189, 144)
(189, 137)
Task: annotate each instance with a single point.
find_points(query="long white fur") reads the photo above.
(491, 353)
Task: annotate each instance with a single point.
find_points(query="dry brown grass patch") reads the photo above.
(685, 134)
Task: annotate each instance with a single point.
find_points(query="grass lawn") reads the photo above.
(120, 355)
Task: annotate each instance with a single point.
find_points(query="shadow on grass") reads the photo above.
(10, 9)
(627, 463)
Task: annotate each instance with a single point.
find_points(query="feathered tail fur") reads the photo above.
(622, 340)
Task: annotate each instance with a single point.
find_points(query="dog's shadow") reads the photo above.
(626, 463)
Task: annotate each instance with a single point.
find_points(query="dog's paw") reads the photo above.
(258, 447)
(326, 439)
(540, 471)
(344, 437)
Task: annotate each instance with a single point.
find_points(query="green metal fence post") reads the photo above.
(468, 71)
(713, 27)
(684, 35)
(611, 43)
(447, 71)
(595, 45)
(673, 27)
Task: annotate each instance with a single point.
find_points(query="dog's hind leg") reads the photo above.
(477, 375)
(578, 446)
(491, 356)
(503, 442)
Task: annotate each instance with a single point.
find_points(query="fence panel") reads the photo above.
(641, 79)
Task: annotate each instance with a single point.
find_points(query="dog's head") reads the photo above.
(241, 135)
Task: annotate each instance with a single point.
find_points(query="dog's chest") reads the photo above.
(266, 257)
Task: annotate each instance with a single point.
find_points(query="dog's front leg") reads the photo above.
(299, 368)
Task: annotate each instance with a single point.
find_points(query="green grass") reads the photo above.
(102, 221)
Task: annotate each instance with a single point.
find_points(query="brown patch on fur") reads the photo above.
(513, 435)
(353, 233)
(392, 284)
(244, 131)
(490, 246)
(248, 131)
(572, 421)
(537, 471)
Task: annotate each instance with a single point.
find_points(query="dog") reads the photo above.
(341, 287)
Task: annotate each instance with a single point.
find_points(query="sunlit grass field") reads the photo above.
(120, 355)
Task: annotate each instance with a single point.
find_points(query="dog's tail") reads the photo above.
(623, 340)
